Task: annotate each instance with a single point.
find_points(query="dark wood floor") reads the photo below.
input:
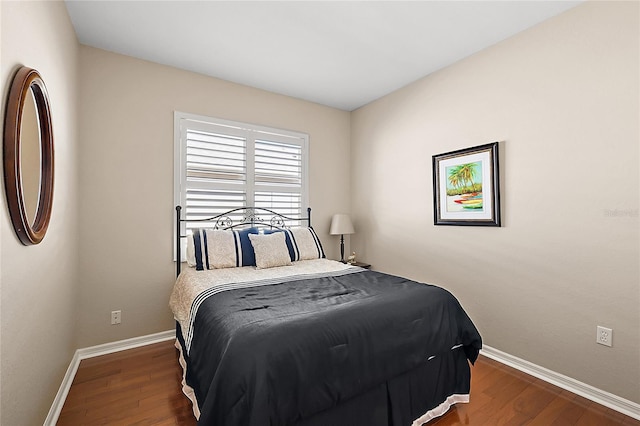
(142, 387)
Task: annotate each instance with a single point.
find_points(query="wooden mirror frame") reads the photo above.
(27, 82)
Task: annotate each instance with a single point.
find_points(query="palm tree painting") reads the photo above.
(464, 187)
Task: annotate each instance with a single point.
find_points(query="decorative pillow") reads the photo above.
(214, 249)
(223, 249)
(306, 244)
(287, 236)
(191, 251)
(270, 250)
(248, 256)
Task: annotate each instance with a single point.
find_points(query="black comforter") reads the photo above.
(274, 354)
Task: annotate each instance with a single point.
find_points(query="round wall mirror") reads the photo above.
(28, 156)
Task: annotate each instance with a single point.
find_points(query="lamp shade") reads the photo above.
(341, 224)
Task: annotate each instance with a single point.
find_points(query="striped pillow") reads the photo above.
(215, 249)
(303, 243)
(306, 244)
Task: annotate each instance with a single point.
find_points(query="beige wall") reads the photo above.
(562, 99)
(39, 283)
(126, 179)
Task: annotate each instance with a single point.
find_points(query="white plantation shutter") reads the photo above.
(278, 164)
(222, 165)
(279, 177)
(216, 171)
(214, 157)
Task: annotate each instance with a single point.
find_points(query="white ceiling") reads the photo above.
(341, 54)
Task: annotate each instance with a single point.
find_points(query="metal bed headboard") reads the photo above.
(248, 217)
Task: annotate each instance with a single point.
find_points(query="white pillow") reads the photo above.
(307, 244)
(191, 251)
(223, 247)
(270, 249)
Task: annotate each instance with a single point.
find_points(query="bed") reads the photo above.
(270, 332)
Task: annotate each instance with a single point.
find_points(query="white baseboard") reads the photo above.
(93, 351)
(63, 391)
(599, 396)
(123, 345)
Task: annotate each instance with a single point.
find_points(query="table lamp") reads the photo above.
(341, 225)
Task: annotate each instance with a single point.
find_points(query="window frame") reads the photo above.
(184, 121)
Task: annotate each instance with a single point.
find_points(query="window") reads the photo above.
(221, 165)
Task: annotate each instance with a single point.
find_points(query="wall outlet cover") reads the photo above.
(604, 336)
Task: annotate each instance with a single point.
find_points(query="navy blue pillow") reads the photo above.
(248, 255)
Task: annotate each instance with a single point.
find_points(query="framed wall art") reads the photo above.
(466, 187)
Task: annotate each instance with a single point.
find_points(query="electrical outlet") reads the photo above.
(116, 317)
(604, 336)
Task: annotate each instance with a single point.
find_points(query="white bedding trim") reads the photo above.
(441, 409)
(186, 389)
